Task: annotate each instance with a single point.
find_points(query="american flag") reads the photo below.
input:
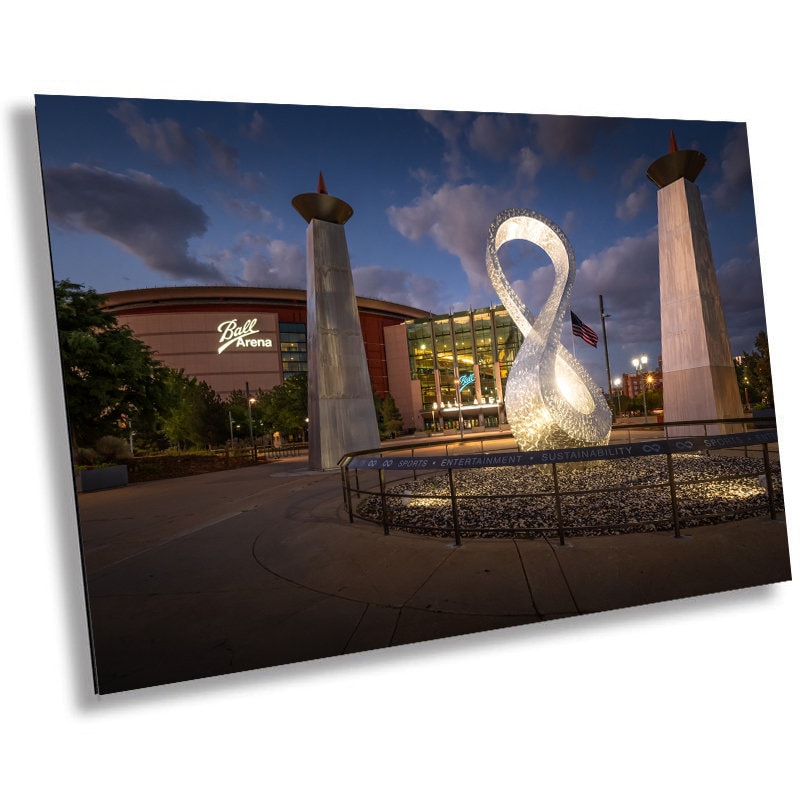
(582, 330)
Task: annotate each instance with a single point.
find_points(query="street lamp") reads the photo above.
(435, 406)
(639, 365)
(618, 384)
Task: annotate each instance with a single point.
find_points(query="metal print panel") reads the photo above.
(179, 268)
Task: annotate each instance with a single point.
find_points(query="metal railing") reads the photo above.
(264, 452)
(408, 462)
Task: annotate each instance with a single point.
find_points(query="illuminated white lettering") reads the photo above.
(254, 342)
(230, 332)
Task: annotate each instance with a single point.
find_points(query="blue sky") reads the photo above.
(146, 193)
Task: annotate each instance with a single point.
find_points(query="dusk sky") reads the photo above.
(144, 193)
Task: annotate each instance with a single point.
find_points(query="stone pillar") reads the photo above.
(341, 409)
(698, 371)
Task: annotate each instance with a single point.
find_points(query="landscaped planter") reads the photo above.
(90, 480)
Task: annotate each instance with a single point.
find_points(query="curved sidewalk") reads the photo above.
(256, 567)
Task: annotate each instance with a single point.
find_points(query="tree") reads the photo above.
(390, 420)
(193, 415)
(110, 377)
(285, 407)
(755, 374)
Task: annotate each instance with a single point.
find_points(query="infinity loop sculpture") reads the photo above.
(551, 400)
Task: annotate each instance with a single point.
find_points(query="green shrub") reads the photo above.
(112, 448)
(85, 457)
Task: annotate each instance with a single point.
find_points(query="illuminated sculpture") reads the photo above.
(551, 401)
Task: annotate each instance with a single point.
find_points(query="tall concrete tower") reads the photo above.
(698, 371)
(341, 409)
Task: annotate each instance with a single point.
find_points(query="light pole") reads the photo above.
(434, 407)
(250, 401)
(460, 414)
(603, 316)
(618, 392)
(639, 365)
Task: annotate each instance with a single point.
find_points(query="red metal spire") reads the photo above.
(321, 185)
(673, 144)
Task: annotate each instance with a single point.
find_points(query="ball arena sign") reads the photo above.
(240, 335)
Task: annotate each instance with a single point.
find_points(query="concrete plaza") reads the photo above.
(256, 567)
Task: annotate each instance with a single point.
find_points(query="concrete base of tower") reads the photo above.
(702, 393)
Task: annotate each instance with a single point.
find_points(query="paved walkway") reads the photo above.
(256, 567)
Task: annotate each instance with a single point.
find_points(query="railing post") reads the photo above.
(676, 519)
(384, 514)
(557, 497)
(770, 487)
(348, 499)
(454, 503)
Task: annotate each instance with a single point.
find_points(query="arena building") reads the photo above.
(444, 372)
(235, 336)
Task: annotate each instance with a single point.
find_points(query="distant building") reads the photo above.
(633, 384)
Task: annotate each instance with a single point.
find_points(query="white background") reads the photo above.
(696, 698)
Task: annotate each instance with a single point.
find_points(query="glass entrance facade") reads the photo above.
(461, 361)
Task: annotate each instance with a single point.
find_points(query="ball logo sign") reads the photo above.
(240, 335)
(465, 380)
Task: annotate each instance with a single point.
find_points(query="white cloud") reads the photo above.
(570, 137)
(138, 213)
(569, 222)
(635, 203)
(451, 125)
(635, 172)
(165, 138)
(626, 274)
(245, 209)
(457, 218)
(742, 294)
(735, 167)
(497, 135)
(528, 164)
(399, 286)
(256, 129)
(273, 263)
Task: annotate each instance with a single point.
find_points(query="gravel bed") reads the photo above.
(499, 502)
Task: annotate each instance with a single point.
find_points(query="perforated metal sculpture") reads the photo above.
(551, 400)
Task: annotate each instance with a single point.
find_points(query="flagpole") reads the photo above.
(605, 344)
(574, 354)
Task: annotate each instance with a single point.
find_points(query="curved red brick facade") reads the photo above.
(230, 336)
